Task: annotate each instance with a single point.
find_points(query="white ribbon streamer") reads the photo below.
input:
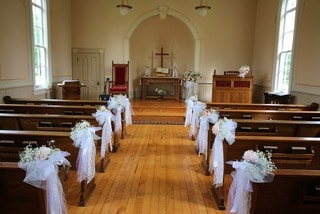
(87, 152)
(202, 138)
(224, 129)
(44, 175)
(197, 109)
(103, 117)
(239, 197)
(190, 103)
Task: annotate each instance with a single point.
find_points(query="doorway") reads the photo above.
(87, 67)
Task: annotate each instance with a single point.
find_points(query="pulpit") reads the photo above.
(232, 88)
(71, 89)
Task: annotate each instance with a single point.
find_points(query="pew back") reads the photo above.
(258, 106)
(17, 196)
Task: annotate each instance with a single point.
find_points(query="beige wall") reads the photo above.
(232, 34)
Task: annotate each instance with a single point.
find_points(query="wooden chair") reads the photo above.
(120, 79)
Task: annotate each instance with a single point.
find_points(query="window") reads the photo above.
(40, 45)
(283, 69)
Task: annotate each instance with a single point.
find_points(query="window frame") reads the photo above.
(45, 46)
(281, 33)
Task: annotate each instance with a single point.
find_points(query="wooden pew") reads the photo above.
(17, 196)
(58, 109)
(292, 191)
(282, 145)
(258, 106)
(48, 122)
(62, 141)
(291, 128)
(269, 114)
(9, 100)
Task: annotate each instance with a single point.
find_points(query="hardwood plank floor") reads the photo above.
(155, 170)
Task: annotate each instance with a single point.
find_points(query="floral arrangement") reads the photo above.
(225, 128)
(260, 164)
(78, 128)
(160, 92)
(41, 166)
(31, 155)
(102, 108)
(244, 70)
(191, 76)
(256, 166)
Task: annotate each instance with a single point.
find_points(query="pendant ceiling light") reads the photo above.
(203, 8)
(124, 8)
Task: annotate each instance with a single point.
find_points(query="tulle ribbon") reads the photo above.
(224, 129)
(202, 138)
(104, 118)
(190, 104)
(189, 88)
(87, 153)
(119, 103)
(239, 197)
(197, 108)
(44, 175)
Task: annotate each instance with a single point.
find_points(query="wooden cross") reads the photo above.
(161, 54)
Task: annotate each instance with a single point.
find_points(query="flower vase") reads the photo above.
(190, 86)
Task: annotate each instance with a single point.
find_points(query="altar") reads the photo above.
(171, 85)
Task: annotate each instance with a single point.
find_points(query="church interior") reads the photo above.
(129, 62)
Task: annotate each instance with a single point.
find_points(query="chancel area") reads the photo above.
(168, 106)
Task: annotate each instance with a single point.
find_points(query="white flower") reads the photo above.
(160, 91)
(250, 156)
(244, 70)
(43, 153)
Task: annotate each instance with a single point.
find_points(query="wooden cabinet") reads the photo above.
(169, 84)
(232, 89)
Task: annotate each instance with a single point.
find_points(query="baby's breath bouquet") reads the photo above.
(191, 76)
(79, 129)
(31, 155)
(41, 165)
(259, 165)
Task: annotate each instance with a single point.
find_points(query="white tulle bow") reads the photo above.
(190, 104)
(103, 117)
(224, 129)
(44, 175)
(84, 140)
(197, 109)
(202, 138)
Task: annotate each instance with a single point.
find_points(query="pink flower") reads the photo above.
(250, 156)
(216, 128)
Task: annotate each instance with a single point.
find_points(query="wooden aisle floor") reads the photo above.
(156, 170)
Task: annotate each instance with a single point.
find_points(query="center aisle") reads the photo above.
(156, 170)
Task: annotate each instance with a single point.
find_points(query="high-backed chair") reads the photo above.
(120, 79)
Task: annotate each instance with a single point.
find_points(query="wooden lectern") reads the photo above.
(232, 88)
(71, 89)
